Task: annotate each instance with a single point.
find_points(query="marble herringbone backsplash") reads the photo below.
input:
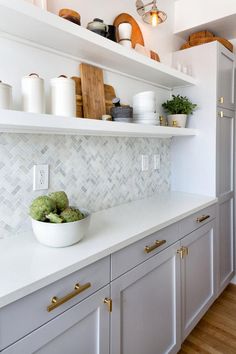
(97, 173)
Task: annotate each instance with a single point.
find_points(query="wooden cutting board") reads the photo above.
(79, 100)
(136, 36)
(93, 91)
(109, 95)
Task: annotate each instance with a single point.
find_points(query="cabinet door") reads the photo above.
(225, 152)
(226, 242)
(83, 329)
(146, 307)
(197, 275)
(225, 78)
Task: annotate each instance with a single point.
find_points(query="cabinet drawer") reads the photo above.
(196, 220)
(30, 312)
(127, 258)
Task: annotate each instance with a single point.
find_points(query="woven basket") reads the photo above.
(202, 34)
(223, 41)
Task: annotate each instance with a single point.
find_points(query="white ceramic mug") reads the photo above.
(5, 96)
(125, 30)
(63, 97)
(33, 95)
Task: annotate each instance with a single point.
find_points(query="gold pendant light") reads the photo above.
(150, 13)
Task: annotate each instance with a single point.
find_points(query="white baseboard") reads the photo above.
(233, 280)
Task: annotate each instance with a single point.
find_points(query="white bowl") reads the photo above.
(147, 121)
(61, 235)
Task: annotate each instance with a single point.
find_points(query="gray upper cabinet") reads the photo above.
(83, 329)
(225, 152)
(225, 78)
(146, 307)
(197, 275)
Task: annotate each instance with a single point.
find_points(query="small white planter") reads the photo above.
(180, 119)
(61, 235)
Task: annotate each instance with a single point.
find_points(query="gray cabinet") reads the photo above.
(225, 193)
(198, 280)
(83, 329)
(225, 83)
(226, 242)
(146, 307)
(206, 166)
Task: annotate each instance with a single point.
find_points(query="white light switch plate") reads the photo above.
(156, 162)
(144, 162)
(41, 176)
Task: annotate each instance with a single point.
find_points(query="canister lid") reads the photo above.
(5, 85)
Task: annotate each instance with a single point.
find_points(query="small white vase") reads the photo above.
(177, 120)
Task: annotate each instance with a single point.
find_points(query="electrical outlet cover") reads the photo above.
(41, 176)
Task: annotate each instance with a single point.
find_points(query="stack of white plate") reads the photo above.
(144, 108)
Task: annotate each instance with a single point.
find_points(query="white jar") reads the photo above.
(63, 97)
(5, 96)
(33, 95)
(125, 30)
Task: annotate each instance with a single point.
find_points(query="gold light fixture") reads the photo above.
(150, 13)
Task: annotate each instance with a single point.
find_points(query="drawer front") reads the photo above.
(127, 258)
(30, 312)
(196, 220)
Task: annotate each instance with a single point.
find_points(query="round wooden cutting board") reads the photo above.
(137, 36)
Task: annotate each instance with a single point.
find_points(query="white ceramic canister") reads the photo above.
(33, 95)
(5, 96)
(63, 97)
(125, 30)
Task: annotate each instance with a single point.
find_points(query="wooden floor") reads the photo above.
(216, 332)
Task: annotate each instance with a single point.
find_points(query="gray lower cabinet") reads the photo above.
(198, 275)
(83, 329)
(226, 242)
(146, 307)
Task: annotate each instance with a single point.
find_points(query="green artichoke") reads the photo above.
(42, 206)
(54, 218)
(61, 200)
(71, 215)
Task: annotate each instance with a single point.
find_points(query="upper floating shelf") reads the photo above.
(28, 22)
(22, 122)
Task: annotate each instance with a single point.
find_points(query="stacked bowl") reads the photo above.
(144, 108)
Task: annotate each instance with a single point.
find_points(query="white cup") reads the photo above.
(33, 96)
(125, 30)
(126, 43)
(5, 96)
(63, 97)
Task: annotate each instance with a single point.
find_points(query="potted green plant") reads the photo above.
(178, 109)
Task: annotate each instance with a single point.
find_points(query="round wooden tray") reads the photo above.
(136, 36)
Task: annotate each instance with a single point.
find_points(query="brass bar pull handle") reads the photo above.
(221, 100)
(58, 302)
(203, 218)
(183, 251)
(108, 302)
(221, 114)
(157, 244)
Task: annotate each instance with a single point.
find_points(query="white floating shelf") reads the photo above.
(22, 122)
(28, 22)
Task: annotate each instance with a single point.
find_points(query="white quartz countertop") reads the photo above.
(26, 266)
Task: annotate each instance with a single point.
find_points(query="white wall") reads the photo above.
(191, 13)
(159, 39)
